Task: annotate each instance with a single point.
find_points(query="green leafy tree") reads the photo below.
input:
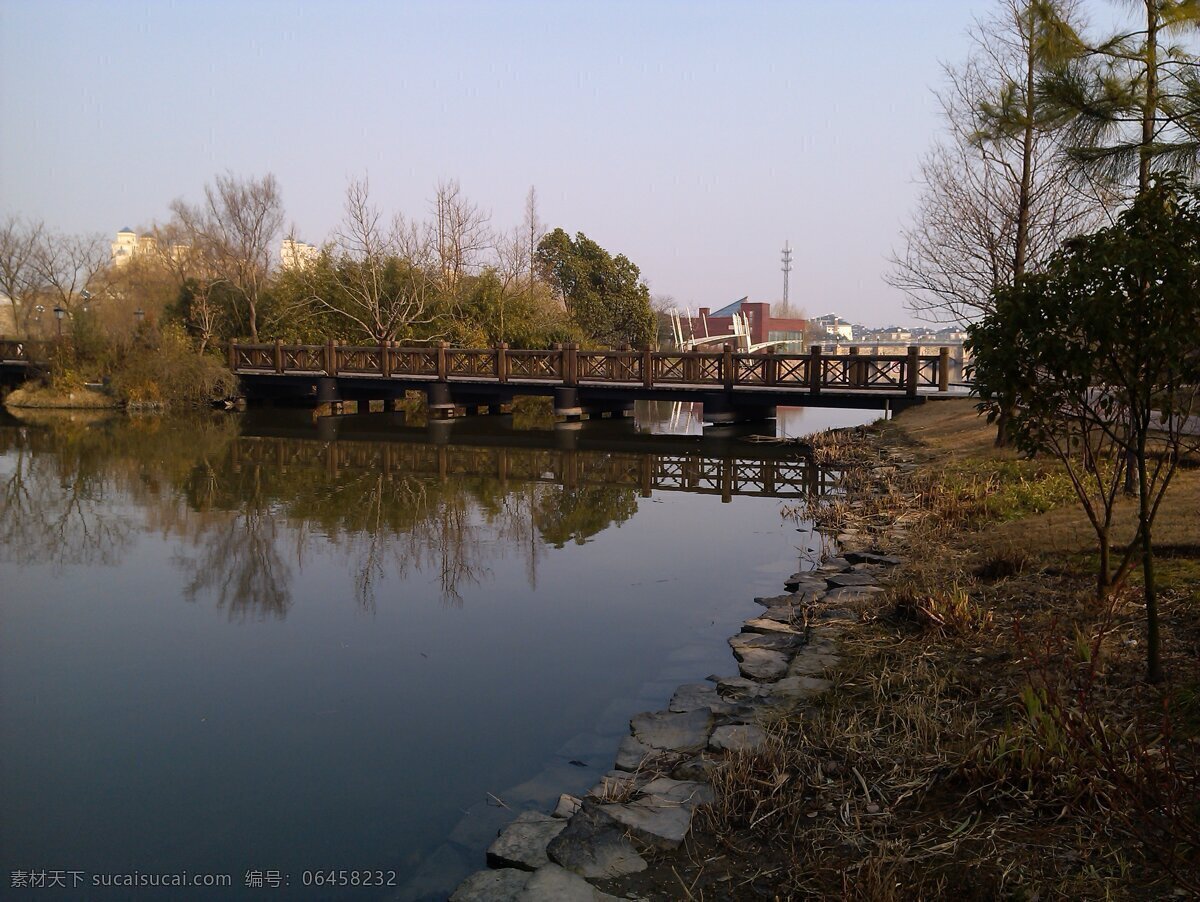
(1105, 343)
(487, 311)
(604, 295)
(1130, 102)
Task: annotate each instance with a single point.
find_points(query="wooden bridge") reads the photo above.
(732, 386)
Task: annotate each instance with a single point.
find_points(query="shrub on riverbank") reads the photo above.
(165, 371)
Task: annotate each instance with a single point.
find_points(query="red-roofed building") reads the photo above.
(762, 326)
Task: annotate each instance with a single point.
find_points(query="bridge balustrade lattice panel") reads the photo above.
(255, 357)
(927, 372)
(837, 372)
(304, 359)
(535, 364)
(413, 362)
(884, 372)
(360, 361)
(689, 369)
(471, 363)
(609, 366)
(791, 370)
(749, 369)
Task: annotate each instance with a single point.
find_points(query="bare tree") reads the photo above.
(376, 286)
(18, 242)
(461, 232)
(534, 230)
(235, 231)
(996, 199)
(65, 265)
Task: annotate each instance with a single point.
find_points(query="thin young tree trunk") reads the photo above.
(1154, 672)
(1027, 138)
(1150, 105)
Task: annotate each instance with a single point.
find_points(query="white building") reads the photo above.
(295, 254)
(130, 244)
(835, 327)
(124, 248)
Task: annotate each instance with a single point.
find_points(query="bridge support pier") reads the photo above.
(566, 403)
(439, 401)
(327, 391)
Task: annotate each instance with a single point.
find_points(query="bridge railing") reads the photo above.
(21, 350)
(569, 365)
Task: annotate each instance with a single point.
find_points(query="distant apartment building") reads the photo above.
(130, 245)
(834, 327)
(295, 254)
(888, 334)
(763, 327)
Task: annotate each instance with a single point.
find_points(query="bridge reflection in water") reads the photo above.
(597, 453)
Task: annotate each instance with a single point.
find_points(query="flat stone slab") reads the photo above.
(614, 785)
(867, 557)
(761, 663)
(812, 663)
(556, 884)
(799, 582)
(676, 732)
(846, 594)
(657, 825)
(781, 615)
(853, 578)
(522, 844)
(741, 689)
(834, 565)
(688, 793)
(594, 845)
(789, 600)
(769, 625)
(567, 806)
(491, 886)
(697, 769)
(632, 754)
(694, 696)
(737, 738)
(773, 641)
(799, 687)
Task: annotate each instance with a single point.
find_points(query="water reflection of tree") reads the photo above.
(575, 515)
(247, 522)
(57, 508)
(239, 560)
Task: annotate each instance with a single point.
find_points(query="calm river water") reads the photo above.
(239, 646)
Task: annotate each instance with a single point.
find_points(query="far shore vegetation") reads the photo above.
(151, 327)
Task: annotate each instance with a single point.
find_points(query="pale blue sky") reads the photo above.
(693, 137)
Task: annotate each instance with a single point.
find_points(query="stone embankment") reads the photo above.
(645, 805)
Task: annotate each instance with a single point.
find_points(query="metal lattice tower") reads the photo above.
(786, 259)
